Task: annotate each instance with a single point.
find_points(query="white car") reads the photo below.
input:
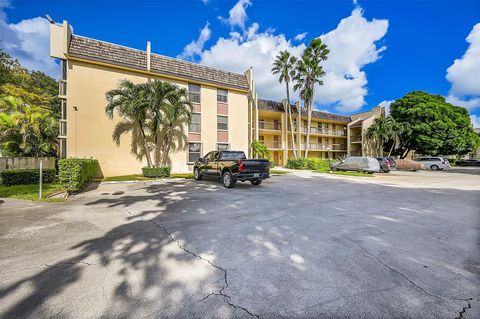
(434, 163)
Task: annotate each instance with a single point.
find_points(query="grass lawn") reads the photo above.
(30, 192)
(278, 171)
(182, 175)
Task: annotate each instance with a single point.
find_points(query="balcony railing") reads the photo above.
(62, 88)
(355, 138)
(323, 147)
(263, 125)
(273, 145)
(322, 131)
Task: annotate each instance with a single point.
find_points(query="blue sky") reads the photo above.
(380, 50)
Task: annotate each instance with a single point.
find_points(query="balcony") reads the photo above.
(273, 145)
(355, 138)
(325, 132)
(339, 147)
(273, 126)
(323, 147)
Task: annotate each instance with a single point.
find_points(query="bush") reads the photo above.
(307, 163)
(25, 176)
(156, 171)
(75, 173)
(452, 161)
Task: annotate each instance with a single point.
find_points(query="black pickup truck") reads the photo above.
(232, 166)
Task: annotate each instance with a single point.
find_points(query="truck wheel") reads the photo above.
(196, 174)
(257, 182)
(228, 180)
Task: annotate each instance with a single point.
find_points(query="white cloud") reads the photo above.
(463, 74)
(475, 121)
(195, 47)
(205, 2)
(237, 15)
(300, 36)
(353, 44)
(28, 41)
(386, 105)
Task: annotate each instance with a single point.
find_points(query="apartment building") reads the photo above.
(358, 144)
(90, 68)
(227, 113)
(328, 132)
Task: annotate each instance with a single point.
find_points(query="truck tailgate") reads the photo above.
(256, 166)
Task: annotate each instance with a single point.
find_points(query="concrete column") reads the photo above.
(299, 129)
(256, 116)
(149, 56)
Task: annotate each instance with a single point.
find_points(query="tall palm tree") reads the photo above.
(284, 66)
(129, 100)
(308, 73)
(176, 111)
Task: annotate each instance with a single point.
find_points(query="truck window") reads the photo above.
(232, 155)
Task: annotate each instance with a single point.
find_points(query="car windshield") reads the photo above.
(232, 155)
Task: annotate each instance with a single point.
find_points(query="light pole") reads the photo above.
(328, 155)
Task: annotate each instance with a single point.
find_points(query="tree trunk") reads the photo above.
(145, 145)
(164, 155)
(289, 114)
(391, 149)
(309, 122)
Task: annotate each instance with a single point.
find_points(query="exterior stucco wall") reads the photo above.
(89, 130)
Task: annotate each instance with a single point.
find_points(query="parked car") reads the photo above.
(409, 165)
(468, 162)
(434, 163)
(393, 164)
(230, 167)
(357, 164)
(384, 164)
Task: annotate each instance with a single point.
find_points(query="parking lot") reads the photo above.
(301, 245)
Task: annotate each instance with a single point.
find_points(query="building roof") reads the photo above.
(275, 106)
(115, 54)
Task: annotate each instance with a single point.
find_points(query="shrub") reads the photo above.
(75, 173)
(156, 171)
(307, 163)
(25, 176)
(272, 164)
(452, 161)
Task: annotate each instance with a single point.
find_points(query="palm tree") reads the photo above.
(259, 150)
(284, 66)
(380, 131)
(308, 73)
(396, 131)
(129, 100)
(175, 111)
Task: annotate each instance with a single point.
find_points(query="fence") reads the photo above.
(26, 162)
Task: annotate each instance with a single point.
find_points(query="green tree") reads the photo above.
(435, 127)
(308, 73)
(129, 101)
(284, 66)
(380, 131)
(259, 150)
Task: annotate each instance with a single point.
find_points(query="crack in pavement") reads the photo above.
(220, 293)
(368, 254)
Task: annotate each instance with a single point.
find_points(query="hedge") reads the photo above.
(307, 163)
(156, 171)
(25, 176)
(75, 173)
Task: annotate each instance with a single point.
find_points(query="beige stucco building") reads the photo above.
(227, 113)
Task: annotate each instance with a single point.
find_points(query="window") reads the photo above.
(233, 155)
(63, 128)
(222, 123)
(222, 95)
(194, 93)
(194, 126)
(194, 151)
(223, 146)
(64, 110)
(63, 75)
(63, 148)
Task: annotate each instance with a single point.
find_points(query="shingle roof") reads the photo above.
(101, 51)
(275, 106)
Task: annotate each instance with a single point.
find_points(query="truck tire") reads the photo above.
(257, 182)
(228, 180)
(197, 174)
